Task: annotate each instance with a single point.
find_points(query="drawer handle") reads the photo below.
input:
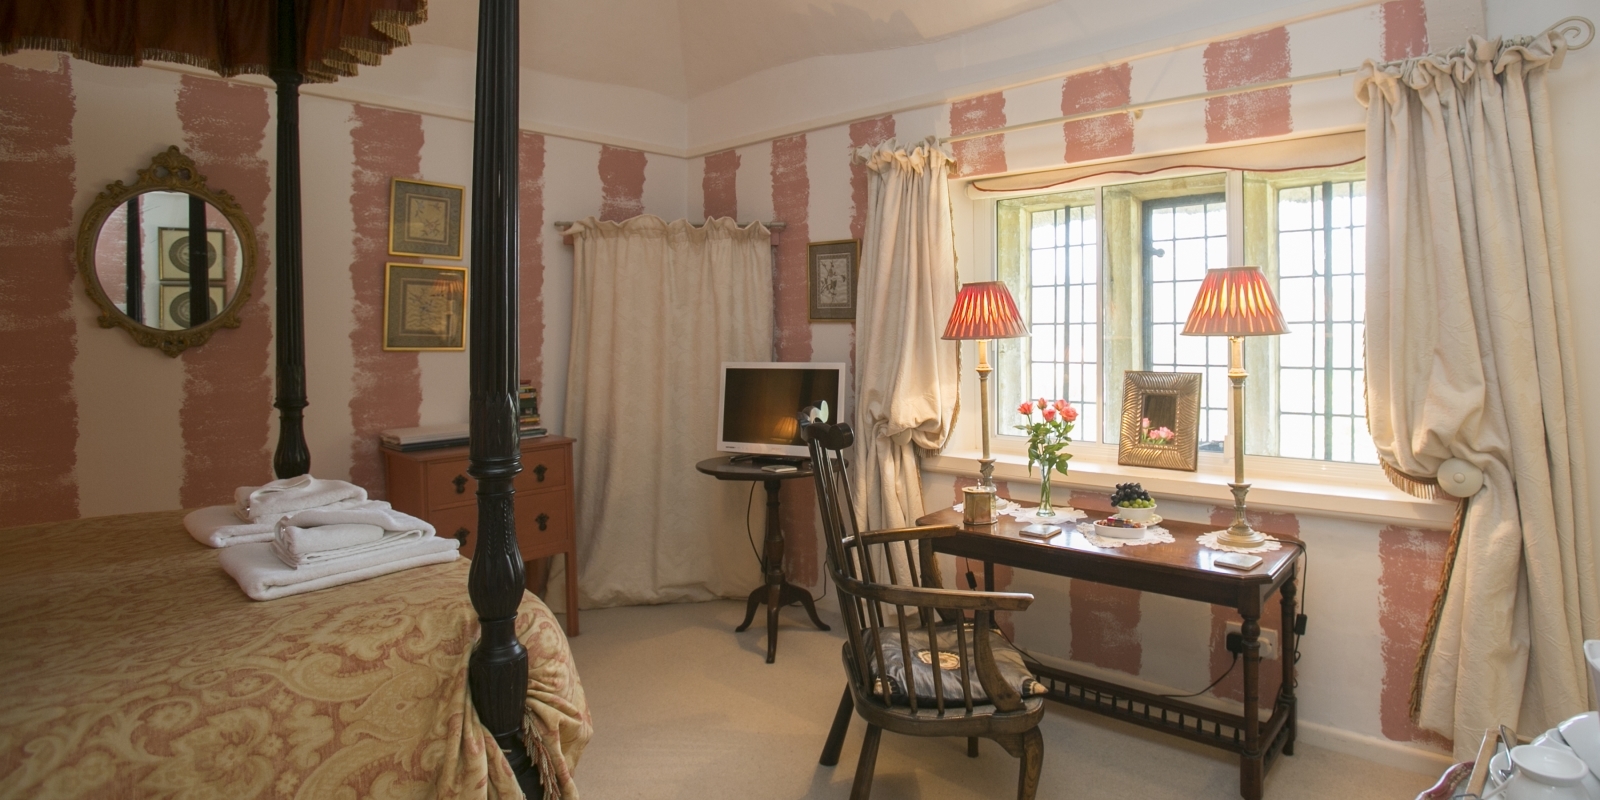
(461, 536)
(538, 472)
(544, 521)
(461, 484)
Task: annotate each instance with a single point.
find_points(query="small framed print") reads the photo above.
(174, 310)
(425, 219)
(424, 307)
(174, 244)
(831, 282)
(1160, 420)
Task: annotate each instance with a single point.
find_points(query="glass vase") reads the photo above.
(1044, 496)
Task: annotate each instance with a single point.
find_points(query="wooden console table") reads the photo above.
(1180, 569)
(777, 592)
(434, 485)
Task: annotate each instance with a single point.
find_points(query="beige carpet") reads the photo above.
(686, 708)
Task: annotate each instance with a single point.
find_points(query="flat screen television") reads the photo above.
(761, 400)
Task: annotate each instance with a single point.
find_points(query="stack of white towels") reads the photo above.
(302, 534)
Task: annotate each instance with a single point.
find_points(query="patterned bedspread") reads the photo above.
(132, 666)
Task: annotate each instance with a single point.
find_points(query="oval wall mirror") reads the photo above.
(168, 259)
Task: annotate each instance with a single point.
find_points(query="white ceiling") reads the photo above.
(685, 48)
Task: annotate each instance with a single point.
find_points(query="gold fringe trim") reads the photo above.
(1431, 633)
(1424, 488)
(540, 755)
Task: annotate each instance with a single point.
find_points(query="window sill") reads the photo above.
(1337, 490)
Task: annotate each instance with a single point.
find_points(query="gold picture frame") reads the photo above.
(424, 307)
(1157, 402)
(174, 252)
(831, 276)
(425, 218)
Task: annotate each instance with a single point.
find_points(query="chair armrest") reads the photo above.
(954, 599)
(908, 534)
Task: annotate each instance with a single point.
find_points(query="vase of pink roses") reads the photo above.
(1047, 442)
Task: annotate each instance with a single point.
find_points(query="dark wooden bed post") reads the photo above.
(292, 457)
(498, 673)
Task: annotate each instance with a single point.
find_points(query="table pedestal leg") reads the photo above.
(1253, 762)
(776, 592)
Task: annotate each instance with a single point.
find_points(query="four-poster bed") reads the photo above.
(293, 41)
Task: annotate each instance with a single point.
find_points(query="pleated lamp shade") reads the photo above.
(985, 310)
(1235, 301)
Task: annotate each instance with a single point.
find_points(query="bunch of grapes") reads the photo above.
(1131, 495)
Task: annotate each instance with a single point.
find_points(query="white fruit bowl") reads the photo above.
(1139, 515)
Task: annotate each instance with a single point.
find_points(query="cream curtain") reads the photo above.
(1470, 354)
(656, 309)
(906, 376)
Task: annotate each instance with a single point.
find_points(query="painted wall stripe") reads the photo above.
(791, 203)
(720, 185)
(1411, 561)
(1105, 619)
(387, 386)
(1101, 137)
(865, 133)
(621, 183)
(979, 156)
(227, 400)
(530, 267)
(1405, 29)
(1248, 59)
(38, 338)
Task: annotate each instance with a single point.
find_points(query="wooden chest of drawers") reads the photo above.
(434, 485)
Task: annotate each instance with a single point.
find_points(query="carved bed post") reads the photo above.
(498, 673)
(292, 457)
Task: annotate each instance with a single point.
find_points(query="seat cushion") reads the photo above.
(1012, 669)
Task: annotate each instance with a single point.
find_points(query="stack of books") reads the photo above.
(528, 410)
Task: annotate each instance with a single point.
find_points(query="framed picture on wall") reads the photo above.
(425, 219)
(424, 307)
(174, 244)
(1160, 420)
(831, 280)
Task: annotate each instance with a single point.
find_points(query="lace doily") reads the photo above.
(1209, 540)
(1027, 516)
(1155, 534)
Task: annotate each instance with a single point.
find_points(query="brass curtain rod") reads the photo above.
(1579, 27)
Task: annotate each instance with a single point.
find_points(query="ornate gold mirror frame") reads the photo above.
(1179, 394)
(170, 171)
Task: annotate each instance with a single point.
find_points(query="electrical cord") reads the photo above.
(1211, 686)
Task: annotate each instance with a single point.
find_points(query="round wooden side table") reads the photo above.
(777, 592)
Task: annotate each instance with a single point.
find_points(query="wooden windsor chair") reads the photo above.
(961, 677)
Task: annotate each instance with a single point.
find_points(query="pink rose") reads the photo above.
(1049, 415)
(1060, 406)
(1041, 403)
(1145, 423)
(1070, 414)
(1026, 408)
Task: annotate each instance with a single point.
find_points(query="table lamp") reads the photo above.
(1236, 302)
(985, 311)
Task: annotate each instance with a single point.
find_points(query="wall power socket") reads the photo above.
(1268, 639)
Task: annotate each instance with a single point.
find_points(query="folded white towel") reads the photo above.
(257, 503)
(263, 577)
(388, 541)
(363, 512)
(324, 538)
(217, 526)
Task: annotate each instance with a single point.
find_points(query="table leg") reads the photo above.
(1286, 692)
(1252, 761)
(772, 563)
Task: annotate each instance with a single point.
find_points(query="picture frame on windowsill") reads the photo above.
(1160, 420)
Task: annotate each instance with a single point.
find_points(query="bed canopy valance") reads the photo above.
(294, 41)
(228, 37)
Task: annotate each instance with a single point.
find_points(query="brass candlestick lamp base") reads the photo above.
(1239, 534)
